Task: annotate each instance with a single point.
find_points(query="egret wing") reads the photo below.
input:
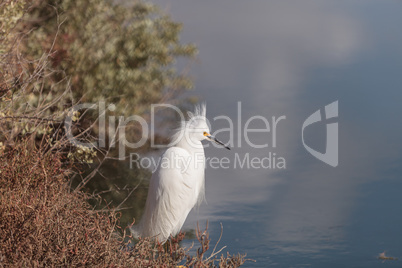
(171, 195)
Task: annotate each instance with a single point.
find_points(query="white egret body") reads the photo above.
(178, 183)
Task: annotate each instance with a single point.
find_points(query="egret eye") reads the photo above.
(205, 133)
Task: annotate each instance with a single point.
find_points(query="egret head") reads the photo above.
(197, 126)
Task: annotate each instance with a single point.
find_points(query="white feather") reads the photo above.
(178, 183)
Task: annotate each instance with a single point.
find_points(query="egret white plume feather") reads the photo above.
(178, 184)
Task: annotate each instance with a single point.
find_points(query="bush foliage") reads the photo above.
(43, 223)
(55, 54)
(120, 53)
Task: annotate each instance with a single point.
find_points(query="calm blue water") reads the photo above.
(291, 58)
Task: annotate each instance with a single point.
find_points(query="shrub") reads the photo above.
(42, 223)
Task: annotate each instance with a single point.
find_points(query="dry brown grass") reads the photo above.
(43, 223)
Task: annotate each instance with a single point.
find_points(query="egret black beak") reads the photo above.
(212, 138)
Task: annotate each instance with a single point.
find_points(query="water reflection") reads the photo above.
(263, 55)
(290, 58)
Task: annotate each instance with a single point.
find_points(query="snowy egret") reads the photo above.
(177, 185)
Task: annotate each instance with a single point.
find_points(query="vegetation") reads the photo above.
(119, 53)
(42, 223)
(55, 54)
